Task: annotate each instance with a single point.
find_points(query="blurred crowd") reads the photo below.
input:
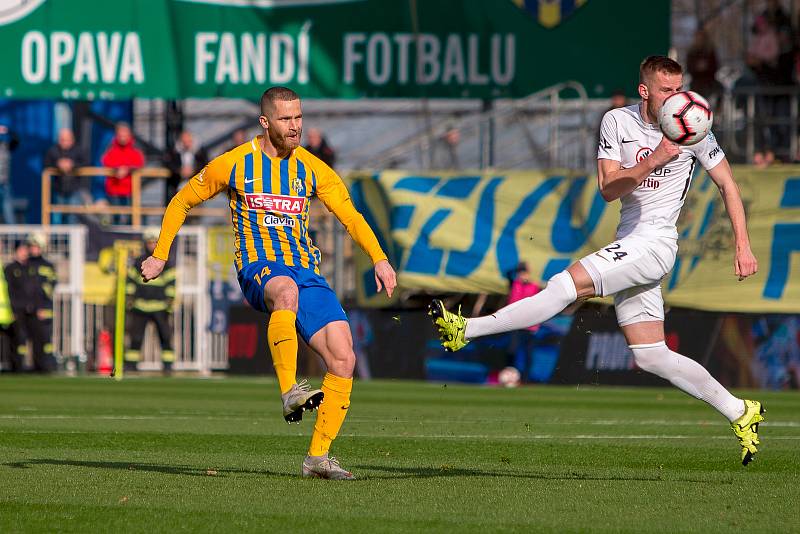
(72, 187)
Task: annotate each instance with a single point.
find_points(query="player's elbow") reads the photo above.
(607, 193)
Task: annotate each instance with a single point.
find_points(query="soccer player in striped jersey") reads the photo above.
(270, 181)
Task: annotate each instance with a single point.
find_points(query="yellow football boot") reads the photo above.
(451, 326)
(746, 429)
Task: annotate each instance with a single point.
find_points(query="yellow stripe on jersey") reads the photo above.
(245, 231)
(301, 218)
(258, 172)
(275, 166)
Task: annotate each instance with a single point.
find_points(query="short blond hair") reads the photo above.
(653, 64)
(276, 93)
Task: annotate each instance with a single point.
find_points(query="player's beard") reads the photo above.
(283, 143)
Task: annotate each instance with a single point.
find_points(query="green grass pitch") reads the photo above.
(193, 455)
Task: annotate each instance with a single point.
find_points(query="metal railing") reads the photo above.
(537, 131)
(751, 119)
(136, 210)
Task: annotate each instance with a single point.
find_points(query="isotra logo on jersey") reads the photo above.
(276, 203)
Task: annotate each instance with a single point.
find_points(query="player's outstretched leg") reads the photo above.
(282, 339)
(456, 331)
(746, 429)
(692, 378)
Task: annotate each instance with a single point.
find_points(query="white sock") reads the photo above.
(687, 375)
(559, 293)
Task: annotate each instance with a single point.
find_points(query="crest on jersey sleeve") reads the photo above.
(550, 13)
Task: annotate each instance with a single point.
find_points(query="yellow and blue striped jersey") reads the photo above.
(269, 199)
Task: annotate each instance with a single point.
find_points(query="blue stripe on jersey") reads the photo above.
(266, 173)
(239, 218)
(286, 190)
(313, 182)
(301, 174)
(252, 215)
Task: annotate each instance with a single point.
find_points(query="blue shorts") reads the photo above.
(317, 303)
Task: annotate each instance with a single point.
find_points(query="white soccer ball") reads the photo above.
(685, 118)
(509, 377)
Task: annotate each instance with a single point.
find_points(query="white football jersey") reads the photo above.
(654, 206)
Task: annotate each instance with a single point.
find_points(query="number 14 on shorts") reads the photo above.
(264, 273)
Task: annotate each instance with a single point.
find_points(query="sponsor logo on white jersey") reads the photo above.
(275, 203)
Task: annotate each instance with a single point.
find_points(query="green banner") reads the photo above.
(456, 233)
(323, 48)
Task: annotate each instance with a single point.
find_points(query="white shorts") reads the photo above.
(631, 269)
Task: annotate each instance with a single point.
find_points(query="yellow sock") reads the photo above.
(331, 413)
(282, 339)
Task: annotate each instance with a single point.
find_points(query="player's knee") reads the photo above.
(649, 357)
(563, 283)
(581, 280)
(281, 296)
(343, 362)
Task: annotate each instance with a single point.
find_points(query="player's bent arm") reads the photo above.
(615, 182)
(174, 217)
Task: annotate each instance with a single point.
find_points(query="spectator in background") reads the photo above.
(779, 19)
(618, 99)
(702, 65)
(445, 150)
(24, 291)
(150, 301)
(238, 138)
(66, 156)
(521, 287)
(318, 145)
(7, 348)
(764, 158)
(123, 157)
(8, 143)
(763, 51)
(46, 282)
(184, 160)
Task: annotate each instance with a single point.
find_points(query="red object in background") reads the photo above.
(673, 340)
(243, 341)
(520, 290)
(121, 156)
(105, 353)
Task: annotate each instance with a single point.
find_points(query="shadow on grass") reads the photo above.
(389, 473)
(184, 470)
(449, 471)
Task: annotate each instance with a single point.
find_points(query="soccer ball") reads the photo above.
(685, 118)
(509, 377)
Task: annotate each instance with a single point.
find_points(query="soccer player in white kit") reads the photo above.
(651, 176)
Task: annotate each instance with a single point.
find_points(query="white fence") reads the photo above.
(77, 324)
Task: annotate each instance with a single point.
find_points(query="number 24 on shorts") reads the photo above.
(264, 272)
(612, 252)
